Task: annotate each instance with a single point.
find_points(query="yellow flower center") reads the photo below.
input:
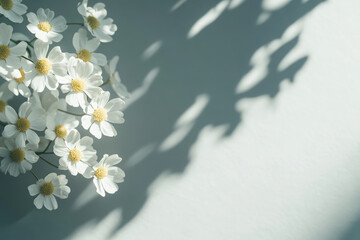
(60, 131)
(4, 52)
(17, 155)
(22, 124)
(84, 55)
(43, 66)
(78, 85)
(101, 172)
(2, 105)
(93, 22)
(75, 155)
(47, 189)
(45, 26)
(22, 78)
(100, 114)
(6, 4)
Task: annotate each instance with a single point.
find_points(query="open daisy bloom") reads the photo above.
(9, 56)
(18, 82)
(95, 21)
(82, 83)
(17, 158)
(21, 126)
(47, 189)
(59, 125)
(75, 154)
(13, 10)
(100, 113)
(45, 26)
(105, 175)
(85, 48)
(46, 69)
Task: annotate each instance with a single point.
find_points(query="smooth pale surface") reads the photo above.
(288, 169)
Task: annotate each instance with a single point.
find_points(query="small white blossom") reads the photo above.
(9, 56)
(17, 157)
(59, 125)
(85, 48)
(95, 21)
(47, 189)
(100, 113)
(13, 10)
(105, 175)
(82, 83)
(47, 69)
(21, 126)
(45, 26)
(75, 153)
(18, 80)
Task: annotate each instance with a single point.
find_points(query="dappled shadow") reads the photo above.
(196, 80)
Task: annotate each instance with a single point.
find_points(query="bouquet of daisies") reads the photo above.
(50, 82)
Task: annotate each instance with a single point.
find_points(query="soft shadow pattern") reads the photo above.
(211, 63)
(353, 232)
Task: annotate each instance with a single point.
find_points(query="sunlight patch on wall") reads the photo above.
(185, 123)
(98, 230)
(261, 59)
(272, 5)
(210, 17)
(142, 90)
(177, 5)
(151, 50)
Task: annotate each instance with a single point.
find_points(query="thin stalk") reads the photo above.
(48, 162)
(75, 23)
(27, 59)
(47, 147)
(34, 175)
(74, 114)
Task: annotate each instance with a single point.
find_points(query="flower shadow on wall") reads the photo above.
(193, 67)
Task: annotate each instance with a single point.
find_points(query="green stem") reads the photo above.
(47, 147)
(27, 59)
(74, 23)
(74, 114)
(34, 175)
(48, 162)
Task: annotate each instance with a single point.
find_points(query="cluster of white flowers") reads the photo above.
(48, 81)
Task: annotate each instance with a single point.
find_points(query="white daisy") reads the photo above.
(21, 126)
(5, 96)
(100, 112)
(59, 125)
(18, 82)
(17, 158)
(94, 20)
(114, 78)
(46, 70)
(85, 48)
(105, 175)
(9, 56)
(47, 189)
(13, 10)
(81, 83)
(75, 153)
(45, 26)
